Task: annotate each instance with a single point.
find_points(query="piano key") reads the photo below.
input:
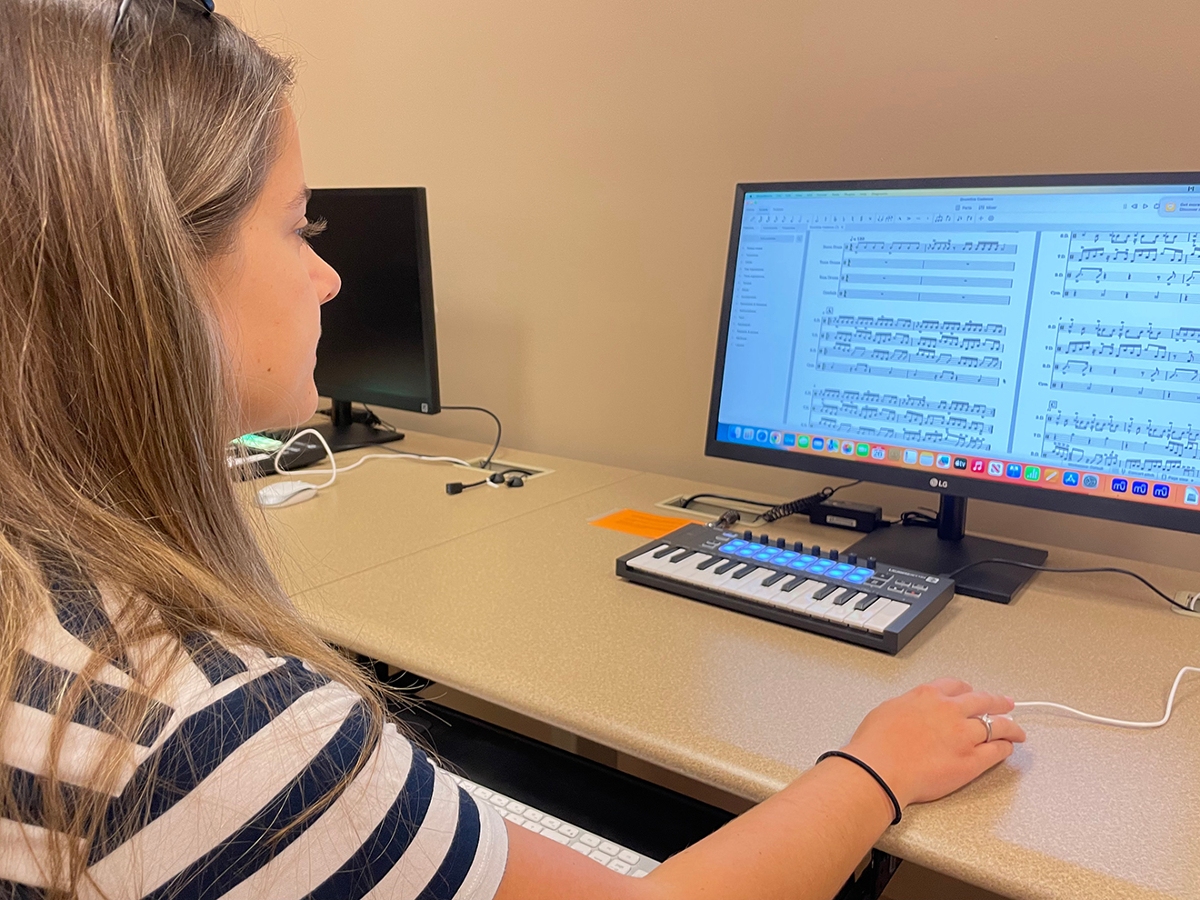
(864, 610)
(825, 592)
(711, 578)
(802, 599)
(745, 571)
(866, 601)
(842, 610)
(844, 597)
(886, 616)
(728, 566)
(748, 586)
(682, 555)
(644, 561)
(691, 564)
(709, 563)
(771, 589)
(659, 554)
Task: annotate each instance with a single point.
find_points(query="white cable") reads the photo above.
(332, 470)
(1117, 722)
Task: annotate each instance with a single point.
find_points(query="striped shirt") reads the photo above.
(233, 751)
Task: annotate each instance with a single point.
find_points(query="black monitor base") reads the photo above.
(349, 428)
(946, 548)
(355, 435)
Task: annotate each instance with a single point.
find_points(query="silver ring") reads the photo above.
(987, 722)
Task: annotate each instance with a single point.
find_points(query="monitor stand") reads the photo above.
(948, 547)
(349, 429)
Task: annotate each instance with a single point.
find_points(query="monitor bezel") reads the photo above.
(430, 404)
(941, 481)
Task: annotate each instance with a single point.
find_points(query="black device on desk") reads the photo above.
(257, 458)
(1022, 339)
(378, 340)
(860, 601)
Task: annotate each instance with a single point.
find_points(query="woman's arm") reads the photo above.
(804, 842)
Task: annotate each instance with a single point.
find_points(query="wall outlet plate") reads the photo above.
(1190, 599)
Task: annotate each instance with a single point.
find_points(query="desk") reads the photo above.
(510, 595)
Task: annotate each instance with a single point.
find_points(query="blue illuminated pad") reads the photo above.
(785, 557)
(766, 555)
(746, 551)
(820, 565)
(732, 546)
(865, 573)
(803, 562)
(855, 578)
(840, 569)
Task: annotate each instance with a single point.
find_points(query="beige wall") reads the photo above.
(581, 160)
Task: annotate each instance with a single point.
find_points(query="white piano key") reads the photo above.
(860, 617)
(802, 597)
(839, 613)
(822, 608)
(746, 587)
(709, 577)
(677, 569)
(886, 616)
(646, 562)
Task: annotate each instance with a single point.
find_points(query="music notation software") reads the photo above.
(1047, 335)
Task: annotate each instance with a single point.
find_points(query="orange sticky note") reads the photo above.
(645, 525)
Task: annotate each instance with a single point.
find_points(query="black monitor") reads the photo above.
(1032, 340)
(378, 343)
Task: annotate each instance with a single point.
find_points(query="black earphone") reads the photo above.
(514, 478)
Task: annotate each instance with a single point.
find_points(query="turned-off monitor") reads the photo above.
(1032, 340)
(378, 339)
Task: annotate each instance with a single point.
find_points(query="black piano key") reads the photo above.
(682, 555)
(709, 563)
(825, 592)
(794, 583)
(865, 603)
(843, 598)
(666, 551)
(746, 570)
(726, 566)
(774, 579)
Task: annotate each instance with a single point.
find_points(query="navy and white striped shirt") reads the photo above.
(234, 750)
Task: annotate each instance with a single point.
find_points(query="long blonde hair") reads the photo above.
(129, 156)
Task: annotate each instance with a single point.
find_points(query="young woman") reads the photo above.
(169, 727)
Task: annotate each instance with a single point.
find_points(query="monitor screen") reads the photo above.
(378, 343)
(1030, 340)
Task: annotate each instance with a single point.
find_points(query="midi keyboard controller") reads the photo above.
(873, 604)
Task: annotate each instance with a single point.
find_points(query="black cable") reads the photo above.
(685, 503)
(922, 517)
(804, 505)
(1025, 565)
(499, 430)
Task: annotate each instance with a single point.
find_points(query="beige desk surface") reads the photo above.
(525, 610)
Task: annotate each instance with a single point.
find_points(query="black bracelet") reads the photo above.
(872, 773)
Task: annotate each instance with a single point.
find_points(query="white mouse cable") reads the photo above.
(332, 470)
(1117, 722)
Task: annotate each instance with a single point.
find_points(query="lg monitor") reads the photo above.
(378, 341)
(1032, 340)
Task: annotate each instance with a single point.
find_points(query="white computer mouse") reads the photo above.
(286, 493)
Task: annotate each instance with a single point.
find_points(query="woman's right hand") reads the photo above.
(930, 741)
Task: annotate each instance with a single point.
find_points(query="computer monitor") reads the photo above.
(378, 342)
(1032, 340)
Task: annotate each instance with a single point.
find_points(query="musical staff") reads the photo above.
(946, 375)
(928, 356)
(882, 269)
(887, 323)
(1084, 369)
(1166, 258)
(831, 404)
(1094, 441)
(1132, 332)
(1080, 349)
